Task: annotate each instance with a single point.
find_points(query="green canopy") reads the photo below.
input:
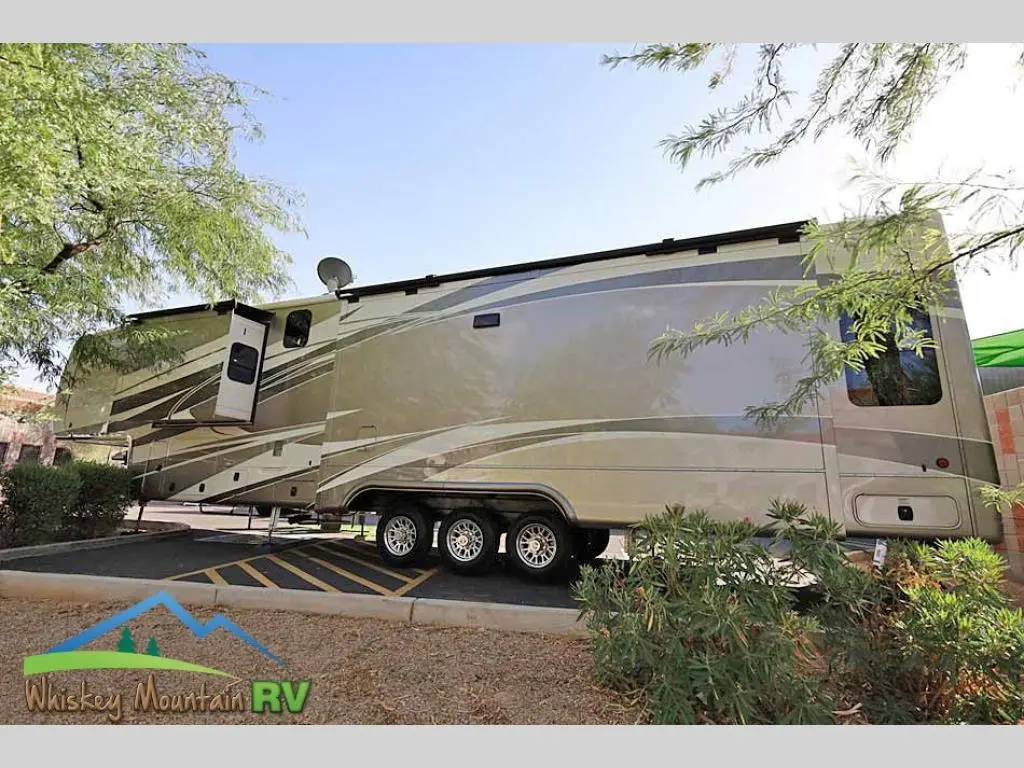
(1004, 350)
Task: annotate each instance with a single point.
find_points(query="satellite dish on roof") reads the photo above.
(334, 273)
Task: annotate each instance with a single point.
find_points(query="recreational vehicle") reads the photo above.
(520, 401)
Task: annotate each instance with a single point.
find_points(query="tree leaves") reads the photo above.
(117, 183)
(877, 263)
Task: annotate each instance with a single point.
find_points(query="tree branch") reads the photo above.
(71, 250)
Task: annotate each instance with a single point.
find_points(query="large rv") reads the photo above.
(520, 401)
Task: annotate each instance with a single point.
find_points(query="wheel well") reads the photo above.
(504, 504)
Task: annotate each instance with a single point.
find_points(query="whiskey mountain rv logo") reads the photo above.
(68, 655)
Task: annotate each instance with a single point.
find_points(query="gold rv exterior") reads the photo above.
(526, 391)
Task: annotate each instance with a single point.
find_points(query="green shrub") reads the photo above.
(703, 626)
(36, 500)
(81, 500)
(105, 494)
(944, 644)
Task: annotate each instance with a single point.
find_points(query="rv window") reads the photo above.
(296, 328)
(896, 376)
(242, 363)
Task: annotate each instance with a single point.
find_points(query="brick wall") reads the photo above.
(15, 435)
(18, 430)
(1005, 413)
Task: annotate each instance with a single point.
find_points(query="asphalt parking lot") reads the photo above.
(335, 564)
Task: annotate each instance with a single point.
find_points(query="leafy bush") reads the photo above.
(104, 496)
(81, 500)
(704, 626)
(945, 645)
(36, 500)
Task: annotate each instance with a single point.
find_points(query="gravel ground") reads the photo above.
(362, 671)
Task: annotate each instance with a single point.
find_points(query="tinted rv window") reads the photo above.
(896, 376)
(242, 363)
(296, 328)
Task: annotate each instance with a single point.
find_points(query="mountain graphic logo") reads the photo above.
(67, 655)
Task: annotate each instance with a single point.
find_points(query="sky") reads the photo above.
(426, 159)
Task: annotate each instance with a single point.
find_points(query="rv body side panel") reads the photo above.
(85, 398)
(540, 382)
(976, 446)
(272, 459)
(911, 435)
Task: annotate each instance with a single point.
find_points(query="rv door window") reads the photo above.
(897, 376)
(296, 328)
(242, 363)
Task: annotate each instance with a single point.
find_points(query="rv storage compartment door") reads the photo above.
(884, 511)
(240, 376)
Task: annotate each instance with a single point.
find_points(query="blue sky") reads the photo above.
(418, 159)
(429, 159)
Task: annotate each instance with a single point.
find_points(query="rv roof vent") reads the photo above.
(334, 273)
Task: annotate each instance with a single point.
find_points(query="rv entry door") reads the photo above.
(243, 364)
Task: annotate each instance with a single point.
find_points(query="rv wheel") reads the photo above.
(590, 544)
(468, 541)
(539, 546)
(404, 536)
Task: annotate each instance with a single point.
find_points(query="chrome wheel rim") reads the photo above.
(465, 541)
(400, 536)
(536, 545)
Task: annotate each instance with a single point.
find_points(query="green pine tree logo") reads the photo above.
(152, 648)
(127, 643)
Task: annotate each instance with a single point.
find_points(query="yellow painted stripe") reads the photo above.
(240, 563)
(221, 565)
(364, 563)
(344, 544)
(215, 577)
(257, 575)
(301, 573)
(415, 582)
(350, 576)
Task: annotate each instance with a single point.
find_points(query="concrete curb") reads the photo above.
(158, 530)
(511, 618)
(407, 610)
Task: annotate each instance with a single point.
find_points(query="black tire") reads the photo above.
(481, 531)
(422, 529)
(546, 530)
(590, 544)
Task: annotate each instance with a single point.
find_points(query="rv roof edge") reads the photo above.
(789, 232)
(259, 314)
